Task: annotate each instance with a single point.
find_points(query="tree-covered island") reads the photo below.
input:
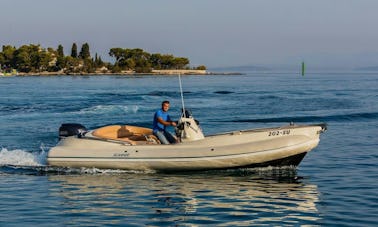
(33, 59)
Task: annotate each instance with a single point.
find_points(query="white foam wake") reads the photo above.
(38, 161)
(20, 157)
(103, 109)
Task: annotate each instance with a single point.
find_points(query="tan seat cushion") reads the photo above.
(124, 133)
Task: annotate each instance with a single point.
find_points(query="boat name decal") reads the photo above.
(279, 132)
(120, 155)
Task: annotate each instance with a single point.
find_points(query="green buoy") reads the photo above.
(303, 68)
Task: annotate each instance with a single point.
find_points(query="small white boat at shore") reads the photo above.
(136, 148)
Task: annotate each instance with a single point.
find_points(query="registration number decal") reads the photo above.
(279, 132)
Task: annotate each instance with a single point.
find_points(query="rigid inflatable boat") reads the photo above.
(136, 148)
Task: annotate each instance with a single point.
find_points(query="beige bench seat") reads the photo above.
(133, 134)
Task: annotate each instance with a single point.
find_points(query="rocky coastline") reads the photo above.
(130, 73)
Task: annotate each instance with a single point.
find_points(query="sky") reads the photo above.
(215, 33)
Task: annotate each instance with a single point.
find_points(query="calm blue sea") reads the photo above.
(335, 185)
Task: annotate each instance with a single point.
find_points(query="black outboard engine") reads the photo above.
(187, 113)
(71, 129)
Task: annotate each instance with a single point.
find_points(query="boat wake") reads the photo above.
(20, 157)
(104, 109)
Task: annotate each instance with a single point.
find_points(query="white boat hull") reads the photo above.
(280, 146)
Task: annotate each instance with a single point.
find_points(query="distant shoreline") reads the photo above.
(132, 73)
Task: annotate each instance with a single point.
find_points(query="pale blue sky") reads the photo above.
(324, 33)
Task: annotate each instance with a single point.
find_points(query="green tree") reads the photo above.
(71, 65)
(60, 60)
(141, 60)
(2, 59)
(180, 63)
(74, 50)
(100, 62)
(86, 61)
(60, 51)
(84, 52)
(134, 59)
(32, 58)
(43, 60)
(130, 63)
(24, 57)
(156, 61)
(201, 67)
(118, 54)
(115, 69)
(167, 61)
(88, 66)
(7, 57)
(95, 61)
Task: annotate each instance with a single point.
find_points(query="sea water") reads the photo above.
(336, 184)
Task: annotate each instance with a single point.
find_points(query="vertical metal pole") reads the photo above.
(182, 96)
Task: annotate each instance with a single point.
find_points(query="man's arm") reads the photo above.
(166, 123)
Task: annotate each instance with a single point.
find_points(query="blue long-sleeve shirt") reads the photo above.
(158, 126)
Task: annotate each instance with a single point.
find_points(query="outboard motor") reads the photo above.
(188, 128)
(71, 129)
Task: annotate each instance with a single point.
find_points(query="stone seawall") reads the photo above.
(179, 71)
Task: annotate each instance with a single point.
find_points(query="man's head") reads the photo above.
(165, 106)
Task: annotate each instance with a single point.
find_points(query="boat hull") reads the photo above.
(282, 146)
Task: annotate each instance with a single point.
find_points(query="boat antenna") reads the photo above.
(182, 96)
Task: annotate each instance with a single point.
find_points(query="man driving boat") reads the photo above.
(160, 123)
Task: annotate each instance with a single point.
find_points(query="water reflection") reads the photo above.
(186, 199)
